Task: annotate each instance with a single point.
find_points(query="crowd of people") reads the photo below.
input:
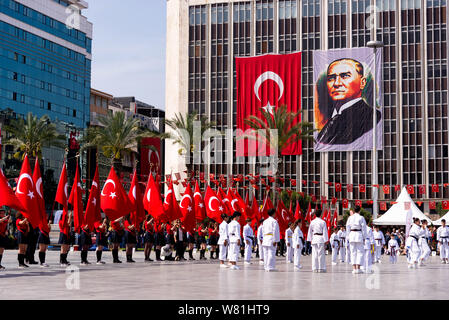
(355, 242)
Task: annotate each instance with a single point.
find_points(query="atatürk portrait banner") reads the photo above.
(343, 99)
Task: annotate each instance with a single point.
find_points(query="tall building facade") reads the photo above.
(45, 63)
(204, 37)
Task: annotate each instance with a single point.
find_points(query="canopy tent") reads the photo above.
(396, 215)
(438, 222)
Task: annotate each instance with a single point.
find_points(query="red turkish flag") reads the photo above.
(358, 203)
(93, 210)
(187, 209)
(282, 217)
(171, 206)
(8, 197)
(335, 220)
(410, 189)
(349, 188)
(26, 193)
(225, 199)
(61, 193)
(337, 187)
(267, 205)
(298, 213)
(435, 188)
(386, 189)
(432, 205)
(200, 209)
(265, 83)
(362, 188)
(445, 205)
(383, 206)
(334, 200)
(214, 207)
(397, 188)
(345, 203)
(152, 201)
(76, 200)
(293, 182)
(37, 179)
(255, 212)
(114, 200)
(422, 189)
(136, 198)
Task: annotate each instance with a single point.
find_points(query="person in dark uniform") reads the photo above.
(23, 229)
(149, 237)
(117, 234)
(65, 237)
(32, 243)
(202, 232)
(4, 221)
(43, 240)
(190, 244)
(85, 242)
(213, 238)
(179, 238)
(170, 239)
(159, 238)
(130, 239)
(101, 228)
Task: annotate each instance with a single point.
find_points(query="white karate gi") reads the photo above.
(289, 244)
(248, 236)
(368, 256)
(413, 238)
(379, 240)
(298, 238)
(234, 237)
(356, 226)
(348, 248)
(271, 235)
(342, 236)
(393, 247)
(423, 244)
(318, 236)
(335, 244)
(223, 233)
(259, 241)
(443, 239)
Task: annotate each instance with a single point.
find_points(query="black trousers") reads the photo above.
(32, 243)
(180, 248)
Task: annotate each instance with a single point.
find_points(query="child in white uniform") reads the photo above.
(393, 248)
(335, 244)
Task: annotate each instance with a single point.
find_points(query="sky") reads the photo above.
(128, 48)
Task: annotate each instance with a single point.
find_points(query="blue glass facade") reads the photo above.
(45, 67)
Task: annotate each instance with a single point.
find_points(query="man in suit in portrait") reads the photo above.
(351, 117)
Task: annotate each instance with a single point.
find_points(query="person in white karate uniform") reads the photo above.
(369, 250)
(342, 237)
(289, 242)
(271, 237)
(248, 237)
(223, 240)
(443, 239)
(298, 244)
(356, 229)
(348, 248)
(318, 237)
(423, 243)
(393, 248)
(259, 241)
(412, 244)
(234, 240)
(335, 245)
(379, 243)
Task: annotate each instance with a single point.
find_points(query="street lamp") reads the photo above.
(375, 45)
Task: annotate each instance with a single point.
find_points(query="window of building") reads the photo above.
(15, 75)
(14, 96)
(49, 106)
(74, 113)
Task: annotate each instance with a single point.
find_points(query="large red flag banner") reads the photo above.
(266, 83)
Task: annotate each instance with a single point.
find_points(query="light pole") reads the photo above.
(375, 45)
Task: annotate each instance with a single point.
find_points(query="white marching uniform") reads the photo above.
(259, 241)
(234, 237)
(248, 237)
(223, 233)
(318, 237)
(289, 243)
(356, 227)
(412, 242)
(423, 244)
(342, 251)
(298, 239)
(368, 256)
(443, 238)
(393, 248)
(379, 243)
(335, 244)
(270, 229)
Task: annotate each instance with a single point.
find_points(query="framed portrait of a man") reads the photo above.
(343, 99)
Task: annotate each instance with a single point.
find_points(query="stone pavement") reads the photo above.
(198, 280)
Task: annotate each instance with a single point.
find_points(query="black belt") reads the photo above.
(356, 230)
(378, 239)
(232, 234)
(317, 234)
(444, 237)
(414, 237)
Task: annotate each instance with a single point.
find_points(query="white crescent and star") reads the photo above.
(232, 204)
(66, 187)
(166, 196)
(27, 176)
(182, 199)
(38, 187)
(108, 181)
(283, 217)
(269, 75)
(150, 152)
(134, 193)
(210, 202)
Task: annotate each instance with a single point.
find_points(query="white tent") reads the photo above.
(396, 215)
(438, 222)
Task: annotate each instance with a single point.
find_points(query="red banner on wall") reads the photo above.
(266, 83)
(150, 156)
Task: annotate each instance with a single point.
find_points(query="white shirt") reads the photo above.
(289, 236)
(335, 240)
(415, 232)
(317, 226)
(234, 231)
(379, 238)
(443, 232)
(356, 222)
(248, 232)
(393, 244)
(270, 229)
(369, 238)
(297, 235)
(260, 233)
(223, 232)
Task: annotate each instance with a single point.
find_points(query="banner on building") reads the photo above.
(266, 83)
(343, 99)
(150, 156)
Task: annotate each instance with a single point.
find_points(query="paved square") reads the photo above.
(205, 280)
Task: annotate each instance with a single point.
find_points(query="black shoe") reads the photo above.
(158, 259)
(150, 260)
(33, 262)
(2, 267)
(117, 261)
(23, 265)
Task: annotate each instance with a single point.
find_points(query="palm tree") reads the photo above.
(116, 136)
(288, 132)
(182, 135)
(29, 135)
